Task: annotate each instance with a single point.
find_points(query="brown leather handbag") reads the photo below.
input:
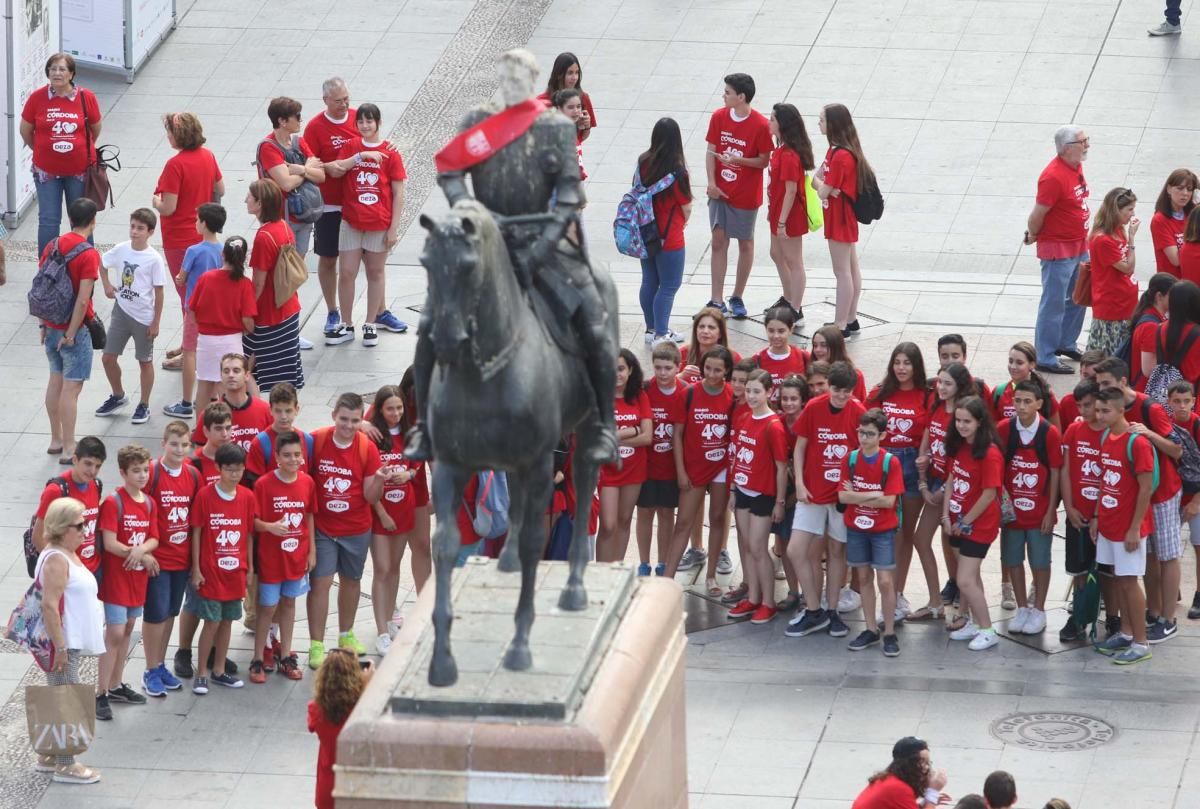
(1082, 293)
(95, 182)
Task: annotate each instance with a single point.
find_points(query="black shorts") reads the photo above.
(325, 234)
(658, 494)
(759, 505)
(1081, 551)
(969, 547)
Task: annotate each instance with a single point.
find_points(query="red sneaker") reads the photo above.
(743, 609)
(268, 658)
(763, 615)
(290, 668)
(257, 675)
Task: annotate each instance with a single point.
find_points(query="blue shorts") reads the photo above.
(74, 362)
(115, 614)
(908, 465)
(876, 549)
(164, 595)
(270, 592)
(1013, 542)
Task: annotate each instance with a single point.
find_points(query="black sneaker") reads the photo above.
(806, 623)
(853, 326)
(227, 680)
(370, 338)
(230, 667)
(1070, 632)
(837, 627)
(1151, 619)
(183, 664)
(342, 334)
(891, 646)
(799, 313)
(781, 302)
(950, 591)
(1161, 631)
(103, 710)
(1194, 612)
(123, 693)
(1112, 625)
(865, 640)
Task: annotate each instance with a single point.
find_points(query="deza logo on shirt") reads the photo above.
(367, 180)
(292, 520)
(734, 147)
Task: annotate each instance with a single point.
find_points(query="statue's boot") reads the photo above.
(418, 446)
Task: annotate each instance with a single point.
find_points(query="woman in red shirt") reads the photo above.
(837, 183)
(829, 345)
(339, 683)
(224, 305)
(662, 273)
(708, 331)
(1114, 292)
(619, 487)
(787, 208)
(59, 123)
(1171, 210)
(1150, 312)
(274, 345)
(566, 74)
(1180, 332)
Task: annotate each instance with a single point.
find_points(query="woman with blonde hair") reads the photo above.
(338, 685)
(1114, 292)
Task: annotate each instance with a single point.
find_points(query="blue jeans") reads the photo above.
(50, 196)
(1172, 11)
(661, 278)
(1059, 319)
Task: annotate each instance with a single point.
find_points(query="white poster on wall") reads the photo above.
(149, 21)
(8, 126)
(35, 36)
(93, 31)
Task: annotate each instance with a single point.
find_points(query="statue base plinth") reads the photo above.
(598, 721)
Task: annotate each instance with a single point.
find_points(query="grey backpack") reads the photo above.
(52, 296)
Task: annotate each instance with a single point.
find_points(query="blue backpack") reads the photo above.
(264, 443)
(634, 229)
(491, 505)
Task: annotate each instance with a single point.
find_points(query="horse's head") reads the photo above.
(451, 257)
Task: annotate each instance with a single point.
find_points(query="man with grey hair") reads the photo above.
(1058, 225)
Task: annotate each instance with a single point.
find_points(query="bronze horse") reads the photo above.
(502, 396)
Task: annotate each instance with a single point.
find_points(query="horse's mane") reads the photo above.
(486, 230)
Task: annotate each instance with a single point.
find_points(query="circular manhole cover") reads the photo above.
(1053, 732)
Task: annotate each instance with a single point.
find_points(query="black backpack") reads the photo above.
(31, 553)
(1039, 446)
(868, 205)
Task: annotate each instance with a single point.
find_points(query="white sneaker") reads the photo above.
(1035, 621)
(1017, 625)
(669, 337)
(968, 631)
(1032, 597)
(649, 337)
(305, 345)
(1164, 29)
(985, 639)
(383, 643)
(1008, 599)
(395, 625)
(848, 600)
(903, 608)
(273, 634)
(780, 575)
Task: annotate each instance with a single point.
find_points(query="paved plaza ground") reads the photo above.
(956, 102)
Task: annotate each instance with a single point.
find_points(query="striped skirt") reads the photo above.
(276, 352)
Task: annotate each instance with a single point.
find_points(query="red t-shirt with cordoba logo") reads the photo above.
(971, 477)
(831, 434)
(907, 414)
(749, 138)
(342, 510)
(666, 409)
(367, 187)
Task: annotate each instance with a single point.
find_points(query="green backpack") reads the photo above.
(1086, 601)
(887, 467)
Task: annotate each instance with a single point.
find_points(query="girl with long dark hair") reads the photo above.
(566, 74)
(1171, 209)
(620, 486)
(787, 208)
(1150, 312)
(1183, 319)
(829, 345)
(662, 273)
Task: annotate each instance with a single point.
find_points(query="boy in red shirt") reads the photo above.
(1123, 522)
(285, 408)
(1068, 408)
(130, 532)
(1182, 401)
(350, 477)
(287, 499)
(250, 414)
(83, 483)
(872, 482)
(659, 496)
(222, 538)
(739, 147)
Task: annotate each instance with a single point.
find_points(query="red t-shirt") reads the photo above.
(1190, 367)
(1143, 342)
(219, 303)
(1114, 294)
(1166, 231)
(89, 495)
(1081, 451)
(706, 433)
(1189, 262)
(327, 734)
(342, 510)
(126, 588)
(761, 443)
(939, 427)
(748, 138)
(587, 104)
(209, 471)
(84, 267)
(1119, 486)
(225, 530)
(888, 792)
(191, 175)
(173, 496)
(831, 436)
(1064, 191)
(258, 463)
(668, 215)
(841, 172)
(1160, 421)
(1026, 479)
(267, 241)
(784, 168)
(59, 138)
(794, 362)
(633, 459)
(667, 410)
(326, 139)
(971, 478)
(907, 412)
(399, 500)
(868, 476)
(283, 558)
(1003, 407)
(249, 419)
(367, 188)
(1068, 410)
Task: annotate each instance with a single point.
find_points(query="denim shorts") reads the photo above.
(164, 595)
(1012, 547)
(269, 593)
(876, 549)
(908, 465)
(115, 614)
(73, 362)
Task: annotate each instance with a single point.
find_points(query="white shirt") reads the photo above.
(139, 272)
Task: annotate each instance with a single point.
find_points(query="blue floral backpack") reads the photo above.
(635, 230)
(27, 625)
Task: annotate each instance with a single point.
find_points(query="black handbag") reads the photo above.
(95, 327)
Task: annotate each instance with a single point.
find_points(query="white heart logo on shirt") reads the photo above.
(68, 127)
(903, 425)
(342, 485)
(961, 486)
(718, 430)
(838, 450)
(370, 178)
(1030, 480)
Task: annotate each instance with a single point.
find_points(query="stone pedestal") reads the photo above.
(597, 722)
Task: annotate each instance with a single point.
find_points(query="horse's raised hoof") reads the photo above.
(573, 598)
(443, 671)
(510, 559)
(518, 657)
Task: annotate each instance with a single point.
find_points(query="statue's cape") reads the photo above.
(475, 145)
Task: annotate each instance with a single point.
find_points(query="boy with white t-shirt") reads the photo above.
(137, 313)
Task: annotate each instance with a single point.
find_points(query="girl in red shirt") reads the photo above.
(1189, 251)
(793, 395)
(1114, 292)
(339, 684)
(837, 182)
(570, 104)
(1022, 358)
(971, 511)
(708, 331)
(829, 345)
(224, 306)
(1183, 320)
(662, 273)
(619, 488)
(780, 358)
(1148, 315)
(566, 74)
(1171, 210)
(760, 490)
(787, 204)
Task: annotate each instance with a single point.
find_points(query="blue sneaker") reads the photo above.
(332, 321)
(807, 622)
(386, 320)
(719, 306)
(1134, 654)
(111, 405)
(660, 569)
(169, 680)
(141, 414)
(179, 410)
(152, 684)
(1114, 645)
(737, 307)
(643, 569)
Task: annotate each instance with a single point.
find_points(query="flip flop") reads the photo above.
(174, 352)
(53, 451)
(927, 613)
(67, 460)
(175, 364)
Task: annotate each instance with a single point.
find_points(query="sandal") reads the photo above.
(44, 764)
(790, 603)
(957, 623)
(54, 450)
(174, 364)
(735, 594)
(713, 589)
(927, 613)
(174, 352)
(75, 774)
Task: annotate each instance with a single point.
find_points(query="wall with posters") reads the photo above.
(115, 35)
(31, 33)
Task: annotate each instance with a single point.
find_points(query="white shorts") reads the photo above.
(1124, 563)
(209, 350)
(372, 241)
(824, 520)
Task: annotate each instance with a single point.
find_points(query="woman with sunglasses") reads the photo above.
(1114, 291)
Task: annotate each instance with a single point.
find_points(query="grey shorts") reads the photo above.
(738, 223)
(303, 234)
(121, 327)
(345, 556)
